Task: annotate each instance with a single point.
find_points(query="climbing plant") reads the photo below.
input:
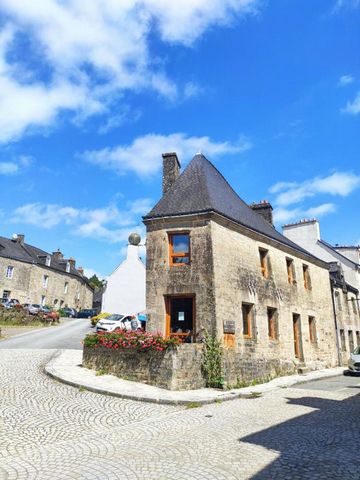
(212, 361)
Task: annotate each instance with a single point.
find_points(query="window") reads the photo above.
(312, 330)
(306, 275)
(358, 338)
(179, 247)
(6, 295)
(48, 261)
(67, 267)
(338, 304)
(272, 323)
(264, 262)
(247, 316)
(61, 303)
(290, 271)
(66, 286)
(9, 272)
(43, 299)
(55, 302)
(353, 301)
(45, 281)
(342, 340)
(351, 340)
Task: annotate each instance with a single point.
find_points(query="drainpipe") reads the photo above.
(336, 324)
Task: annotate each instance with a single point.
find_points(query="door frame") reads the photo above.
(297, 335)
(168, 299)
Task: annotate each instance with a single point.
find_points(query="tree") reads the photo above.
(95, 282)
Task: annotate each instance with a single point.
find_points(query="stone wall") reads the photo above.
(27, 285)
(178, 369)
(238, 278)
(195, 279)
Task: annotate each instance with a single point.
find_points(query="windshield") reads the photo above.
(357, 351)
(35, 305)
(115, 316)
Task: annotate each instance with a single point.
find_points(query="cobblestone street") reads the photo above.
(52, 431)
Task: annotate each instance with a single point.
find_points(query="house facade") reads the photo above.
(344, 276)
(125, 287)
(217, 265)
(32, 275)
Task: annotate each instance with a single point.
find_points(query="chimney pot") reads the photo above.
(171, 170)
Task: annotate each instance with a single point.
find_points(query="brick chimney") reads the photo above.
(58, 255)
(171, 170)
(264, 209)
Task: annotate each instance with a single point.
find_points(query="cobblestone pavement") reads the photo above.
(53, 431)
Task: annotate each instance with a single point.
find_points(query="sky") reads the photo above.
(92, 93)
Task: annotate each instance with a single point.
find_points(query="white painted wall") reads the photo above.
(125, 289)
(307, 235)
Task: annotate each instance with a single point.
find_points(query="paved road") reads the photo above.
(53, 431)
(67, 335)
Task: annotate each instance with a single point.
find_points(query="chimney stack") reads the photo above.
(80, 270)
(72, 262)
(20, 238)
(264, 209)
(171, 170)
(58, 255)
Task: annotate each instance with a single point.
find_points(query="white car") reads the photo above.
(117, 321)
(354, 361)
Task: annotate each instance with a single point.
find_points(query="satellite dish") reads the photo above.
(134, 239)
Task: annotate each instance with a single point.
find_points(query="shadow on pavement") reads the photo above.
(322, 444)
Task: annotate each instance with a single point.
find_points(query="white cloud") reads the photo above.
(109, 224)
(15, 166)
(92, 52)
(89, 272)
(354, 106)
(339, 183)
(346, 80)
(346, 4)
(143, 155)
(285, 215)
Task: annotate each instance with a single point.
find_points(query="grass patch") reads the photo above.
(82, 389)
(102, 371)
(192, 405)
(218, 400)
(255, 394)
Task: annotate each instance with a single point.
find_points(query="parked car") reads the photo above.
(33, 308)
(44, 309)
(86, 313)
(354, 361)
(117, 321)
(69, 312)
(10, 303)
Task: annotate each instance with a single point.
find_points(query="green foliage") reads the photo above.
(15, 317)
(94, 320)
(102, 371)
(95, 282)
(192, 405)
(212, 362)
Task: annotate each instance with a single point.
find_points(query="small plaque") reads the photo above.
(229, 326)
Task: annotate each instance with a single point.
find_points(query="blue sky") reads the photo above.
(91, 94)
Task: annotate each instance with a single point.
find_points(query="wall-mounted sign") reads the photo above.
(229, 326)
(181, 316)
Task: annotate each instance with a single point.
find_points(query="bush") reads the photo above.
(98, 317)
(19, 317)
(131, 340)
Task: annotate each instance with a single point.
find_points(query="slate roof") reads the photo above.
(334, 250)
(201, 188)
(27, 253)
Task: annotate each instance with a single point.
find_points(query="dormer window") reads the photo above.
(67, 267)
(48, 261)
(179, 249)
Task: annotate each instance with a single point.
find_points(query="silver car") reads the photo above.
(354, 361)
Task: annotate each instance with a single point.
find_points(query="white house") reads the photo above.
(125, 288)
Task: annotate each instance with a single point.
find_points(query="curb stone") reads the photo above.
(65, 366)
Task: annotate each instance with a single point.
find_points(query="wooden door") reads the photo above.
(297, 337)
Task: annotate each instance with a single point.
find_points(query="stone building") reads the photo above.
(33, 276)
(216, 264)
(345, 280)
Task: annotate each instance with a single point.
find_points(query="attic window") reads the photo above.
(179, 248)
(68, 267)
(47, 261)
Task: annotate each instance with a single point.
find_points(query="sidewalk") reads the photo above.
(66, 367)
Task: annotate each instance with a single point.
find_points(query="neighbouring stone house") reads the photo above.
(345, 280)
(33, 276)
(216, 264)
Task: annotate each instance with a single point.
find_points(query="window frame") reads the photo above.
(66, 287)
(264, 262)
(45, 281)
(312, 329)
(9, 272)
(272, 318)
(306, 277)
(249, 307)
(173, 254)
(290, 269)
